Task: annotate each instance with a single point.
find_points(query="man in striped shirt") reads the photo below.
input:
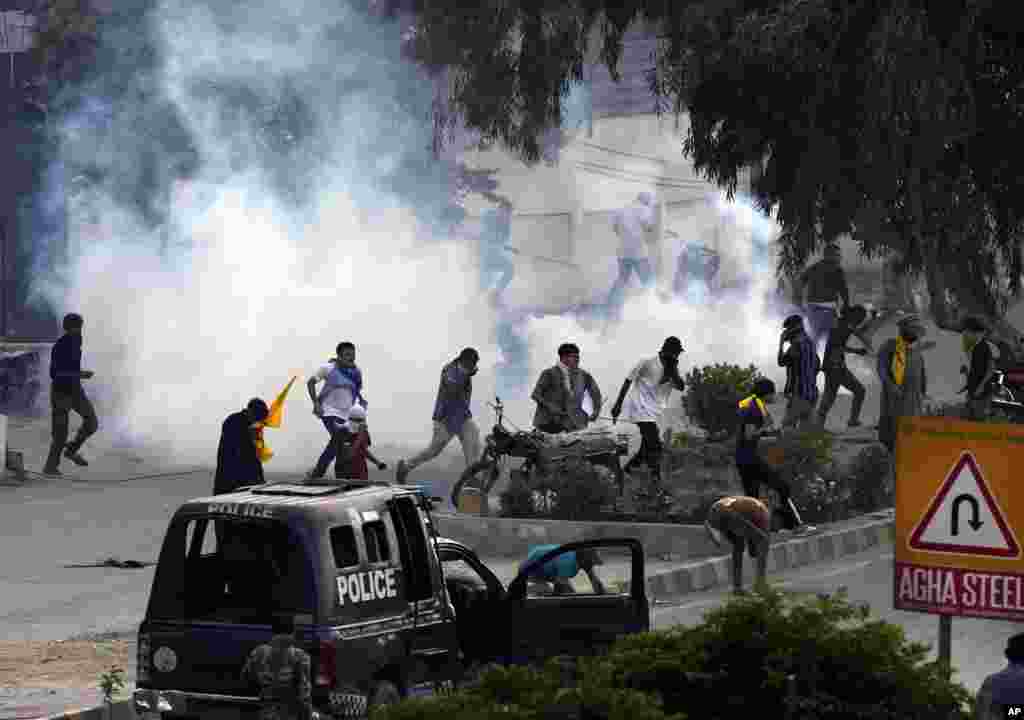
(802, 365)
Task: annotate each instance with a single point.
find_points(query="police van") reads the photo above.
(384, 606)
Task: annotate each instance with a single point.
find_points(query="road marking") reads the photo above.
(832, 573)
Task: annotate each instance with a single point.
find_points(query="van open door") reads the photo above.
(576, 599)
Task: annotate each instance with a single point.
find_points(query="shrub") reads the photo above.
(806, 454)
(525, 693)
(870, 479)
(712, 394)
(580, 490)
(843, 664)
(517, 499)
(570, 490)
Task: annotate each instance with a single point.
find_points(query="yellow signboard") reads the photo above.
(959, 518)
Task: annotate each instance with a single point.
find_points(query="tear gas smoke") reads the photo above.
(284, 241)
(274, 255)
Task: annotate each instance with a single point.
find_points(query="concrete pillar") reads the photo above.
(3, 448)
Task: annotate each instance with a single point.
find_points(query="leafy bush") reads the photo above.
(577, 490)
(870, 479)
(814, 658)
(712, 394)
(524, 693)
(580, 490)
(806, 454)
(517, 499)
(822, 498)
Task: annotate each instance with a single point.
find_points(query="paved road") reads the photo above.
(977, 645)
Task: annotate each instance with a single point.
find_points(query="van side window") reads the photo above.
(343, 546)
(376, 538)
(413, 549)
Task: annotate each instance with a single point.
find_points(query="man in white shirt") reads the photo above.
(643, 397)
(343, 386)
(632, 224)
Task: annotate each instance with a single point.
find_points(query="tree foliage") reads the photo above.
(892, 120)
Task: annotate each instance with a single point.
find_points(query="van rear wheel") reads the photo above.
(384, 692)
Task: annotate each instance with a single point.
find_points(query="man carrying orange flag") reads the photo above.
(242, 450)
(274, 416)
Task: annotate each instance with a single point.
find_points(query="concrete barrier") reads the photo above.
(785, 554)
(509, 537)
(120, 710)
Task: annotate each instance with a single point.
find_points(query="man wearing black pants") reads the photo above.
(66, 394)
(754, 421)
(645, 393)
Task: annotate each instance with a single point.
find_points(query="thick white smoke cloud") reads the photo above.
(740, 328)
(256, 288)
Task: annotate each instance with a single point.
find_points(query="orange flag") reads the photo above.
(277, 407)
(273, 420)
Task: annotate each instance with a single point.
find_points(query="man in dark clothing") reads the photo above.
(755, 421)
(559, 394)
(801, 362)
(820, 289)
(281, 671)
(837, 374)
(984, 356)
(66, 394)
(452, 416)
(238, 463)
(1004, 689)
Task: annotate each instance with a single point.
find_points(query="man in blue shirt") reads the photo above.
(452, 416)
(802, 365)
(754, 421)
(1004, 689)
(66, 394)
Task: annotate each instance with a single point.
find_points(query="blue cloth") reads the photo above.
(453, 397)
(802, 366)
(343, 376)
(746, 450)
(561, 566)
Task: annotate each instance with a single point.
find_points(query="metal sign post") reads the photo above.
(959, 518)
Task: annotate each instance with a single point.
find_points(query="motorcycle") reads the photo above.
(539, 456)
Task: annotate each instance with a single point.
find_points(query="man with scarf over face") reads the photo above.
(901, 370)
(343, 387)
(802, 365)
(648, 388)
(559, 394)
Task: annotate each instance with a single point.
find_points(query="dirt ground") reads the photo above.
(77, 663)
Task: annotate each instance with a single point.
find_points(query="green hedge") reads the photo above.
(768, 656)
(713, 392)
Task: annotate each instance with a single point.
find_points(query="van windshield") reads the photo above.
(232, 570)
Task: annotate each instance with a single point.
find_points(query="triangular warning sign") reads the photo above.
(964, 518)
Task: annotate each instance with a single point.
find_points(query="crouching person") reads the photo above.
(744, 522)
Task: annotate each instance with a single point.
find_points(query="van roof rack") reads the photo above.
(297, 490)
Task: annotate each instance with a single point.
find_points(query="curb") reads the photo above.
(120, 710)
(785, 555)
